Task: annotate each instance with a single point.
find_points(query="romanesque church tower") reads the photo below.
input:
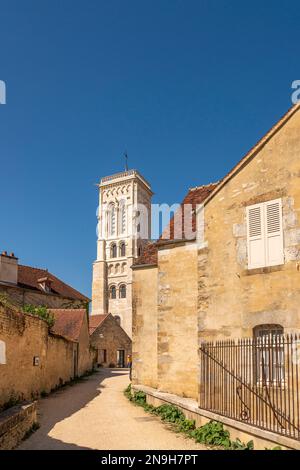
(124, 226)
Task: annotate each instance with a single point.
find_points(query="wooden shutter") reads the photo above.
(256, 241)
(273, 233)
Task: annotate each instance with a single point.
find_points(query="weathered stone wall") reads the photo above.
(15, 423)
(111, 337)
(26, 337)
(177, 337)
(165, 338)
(86, 352)
(144, 343)
(20, 296)
(232, 299)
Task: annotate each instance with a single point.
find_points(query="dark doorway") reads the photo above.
(121, 358)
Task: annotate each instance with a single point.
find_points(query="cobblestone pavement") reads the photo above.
(94, 414)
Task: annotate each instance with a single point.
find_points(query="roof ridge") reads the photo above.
(55, 279)
(33, 267)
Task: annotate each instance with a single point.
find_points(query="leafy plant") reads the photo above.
(170, 413)
(212, 433)
(140, 398)
(127, 392)
(40, 311)
(239, 445)
(187, 425)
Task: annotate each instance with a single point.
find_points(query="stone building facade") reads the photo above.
(26, 285)
(240, 278)
(249, 270)
(73, 324)
(121, 197)
(110, 341)
(165, 325)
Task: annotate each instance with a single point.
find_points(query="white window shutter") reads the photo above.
(273, 233)
(256, 239)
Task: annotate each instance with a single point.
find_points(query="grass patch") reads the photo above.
(211, 434)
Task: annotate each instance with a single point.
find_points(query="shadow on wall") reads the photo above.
(56, 408)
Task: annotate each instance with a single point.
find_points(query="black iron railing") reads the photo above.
(253, 380)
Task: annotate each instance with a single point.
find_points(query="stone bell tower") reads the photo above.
(124, 226)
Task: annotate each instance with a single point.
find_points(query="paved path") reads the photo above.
(94, 414)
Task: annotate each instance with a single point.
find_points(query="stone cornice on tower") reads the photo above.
(123, 176)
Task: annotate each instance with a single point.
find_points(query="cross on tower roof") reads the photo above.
(126, 161)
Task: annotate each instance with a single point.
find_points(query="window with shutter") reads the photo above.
(256, 242)
(274, 236)
(265, 238)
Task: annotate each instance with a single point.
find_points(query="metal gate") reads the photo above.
(255, 381)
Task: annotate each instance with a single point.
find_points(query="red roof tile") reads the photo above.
(68, 322)
(194, 196)
(95, 321)
(28, 277)
(148, 256)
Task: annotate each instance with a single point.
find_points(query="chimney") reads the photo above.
(8, 268)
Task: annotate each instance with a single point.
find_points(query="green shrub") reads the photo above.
(238, 445)
(40, 311)
(170, 413)
(139, 398)
(127, 392)
(187, 425)
(212, 433)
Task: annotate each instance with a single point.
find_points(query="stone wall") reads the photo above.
(177, 338)
(144, 343)
(232, 299)
(15, 423)
(86, 353)
(111, 337)
(32, 361)
(165, 338)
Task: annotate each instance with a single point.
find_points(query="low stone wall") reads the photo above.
(261, 439)
(15, 423)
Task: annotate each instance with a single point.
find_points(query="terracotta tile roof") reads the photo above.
(95, 321)
(68, 322)
(28, 277)
(148, 256)
(194, 196)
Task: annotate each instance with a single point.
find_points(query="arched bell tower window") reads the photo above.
(113, 250)
(122, 291)
(112, 292)
(122, 249)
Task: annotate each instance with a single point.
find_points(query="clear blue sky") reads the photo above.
(186, 86)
